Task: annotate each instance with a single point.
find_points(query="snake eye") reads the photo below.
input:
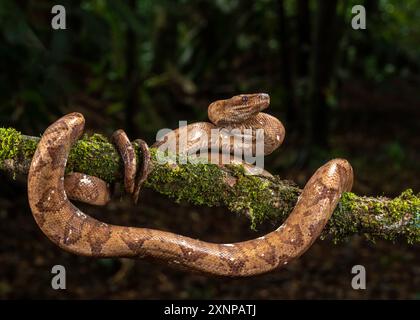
(244, 98)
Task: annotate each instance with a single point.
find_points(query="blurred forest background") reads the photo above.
(144, 65)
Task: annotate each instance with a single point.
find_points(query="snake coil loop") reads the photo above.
(71, 229)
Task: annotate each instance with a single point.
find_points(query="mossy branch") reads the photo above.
(261, 198)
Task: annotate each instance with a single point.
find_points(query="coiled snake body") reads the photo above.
(235, 124)
(74, 231)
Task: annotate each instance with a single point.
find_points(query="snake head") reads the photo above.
(238, 108)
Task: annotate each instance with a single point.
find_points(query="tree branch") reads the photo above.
(261, 198)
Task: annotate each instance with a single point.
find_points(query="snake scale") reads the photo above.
(63, 223)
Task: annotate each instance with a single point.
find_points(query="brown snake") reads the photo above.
(74, 231)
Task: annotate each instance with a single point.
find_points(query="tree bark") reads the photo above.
(261, 198)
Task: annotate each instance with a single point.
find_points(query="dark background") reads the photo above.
(145, 65)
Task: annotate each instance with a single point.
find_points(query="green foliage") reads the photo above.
(260, 198)
(185, 54)
(395, 153)
(389, 219)
(185, 51)
(198, 184)
(93, 154)
(9, 144)
(206, 184)
(252, 195)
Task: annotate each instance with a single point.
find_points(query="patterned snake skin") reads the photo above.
(76, 232)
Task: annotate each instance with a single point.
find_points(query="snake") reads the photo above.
(50, 191)
(236, 124)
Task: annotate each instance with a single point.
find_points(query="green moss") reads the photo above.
(28, 147)
(206, 184)
(10, 140)
(94, 155)
(399, 206)
(348, 200)
(389, 219)
(95, 138)
(200, 184)
(394, 218)
(342, 224)
(250, 194)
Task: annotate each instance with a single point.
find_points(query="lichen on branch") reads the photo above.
(259, 197)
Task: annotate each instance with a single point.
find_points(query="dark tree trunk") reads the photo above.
(165, 37)
(304, 38)
(286, 64)
(132, 78)
(372, 8)
(325, 50)
(303, 48)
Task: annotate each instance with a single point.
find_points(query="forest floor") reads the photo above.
(381, 141)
